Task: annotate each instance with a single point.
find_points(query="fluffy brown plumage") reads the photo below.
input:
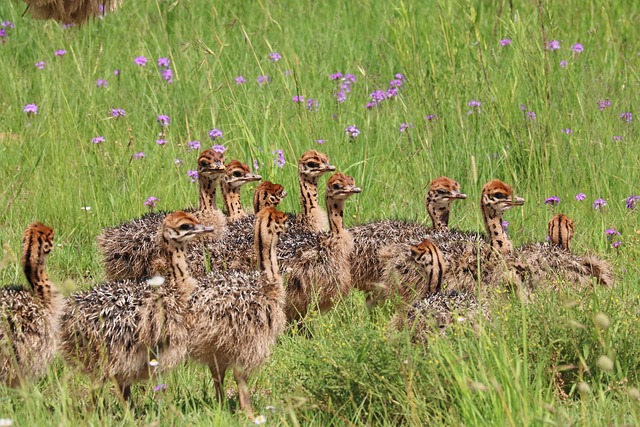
(117, 328)
(29, 317)
(370, 239)
(553, 264)
(236, 251)
(433, 307)
(320, 267)
(131, 250)
(71, 11)
(236, 316)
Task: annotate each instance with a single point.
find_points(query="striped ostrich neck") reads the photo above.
(560, 235)
(309, 201)
(265, 244)
(439, 214)
(334, 211)
(497, 236)
(208, 190)
(36, 274)
(177, 262)
(231, 197)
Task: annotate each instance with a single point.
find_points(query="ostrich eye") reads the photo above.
(442, 191)
(203, 163)
(337, 186)
(501, 196)
(186, 227)
(312, 165)
(237, 174)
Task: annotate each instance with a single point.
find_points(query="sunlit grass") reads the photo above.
(524, 366)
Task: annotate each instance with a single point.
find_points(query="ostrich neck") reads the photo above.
(439, 214)
(208, 190)
(309, 201)
(266, 243)
(335, 211)
(231, 196)
(497, 236)
(178, 268)
(38, 278)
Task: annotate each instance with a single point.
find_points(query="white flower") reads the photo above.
(156, 281)
(153, 363)
(86, 208)
(5, 422)
(260, 419)
(461, 319)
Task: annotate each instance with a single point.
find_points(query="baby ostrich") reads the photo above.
(130, 250)
(29, 317)
(70, 11)
(237, 174)
(236, 316)
(235, 252)
(544, 264)
(319, 264)
(433, 306)
(465, 256)
(370, 239)
(117, 328)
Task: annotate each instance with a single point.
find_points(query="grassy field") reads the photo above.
(543, 95)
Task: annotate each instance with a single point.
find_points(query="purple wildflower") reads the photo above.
(405, 126)
(215, 134)
(617, 138)
(102, 83)
(395, 83)
(553, 200)
(611, 231)
(345, 87)
(627, 117)
(531, 115)
(378, 96)
(60, 52)
(506, 42)
(523, 107)
(335, 76)
(161, 142)
(399, 76)
(580, 197)
(31, 109)
(631, 201)
(7, 24)
(167, 74)
(163, 62)
(116, 72)
(352, 78)
(141, 61)
(256, 166)
(553, 45)
(219, 148)
(577, 48)
(320, 141)
(603, 104)
(340, 96)
(430, 117)
(163, 120)
(139, 155)
(370, 105)
(391, 92)
(279, 160)
(160, 387)
(40, 65)
(118, 112)
(193, 145)
(262, 80)
(564, 63)
(152, 202)
(298, 98)
(98, 139)
(275, 56)
(599, 203)
(193, 174)
(240, 80)
(567, 131)
(505, 226)
(312, 104)
(616, 244)
(352, 132)
(474, 104)
(69, 25)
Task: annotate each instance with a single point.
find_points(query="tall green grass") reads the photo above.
(523, 367)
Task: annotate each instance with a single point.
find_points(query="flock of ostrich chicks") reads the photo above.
(220, 289)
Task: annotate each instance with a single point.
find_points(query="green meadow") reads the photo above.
(542, 95)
